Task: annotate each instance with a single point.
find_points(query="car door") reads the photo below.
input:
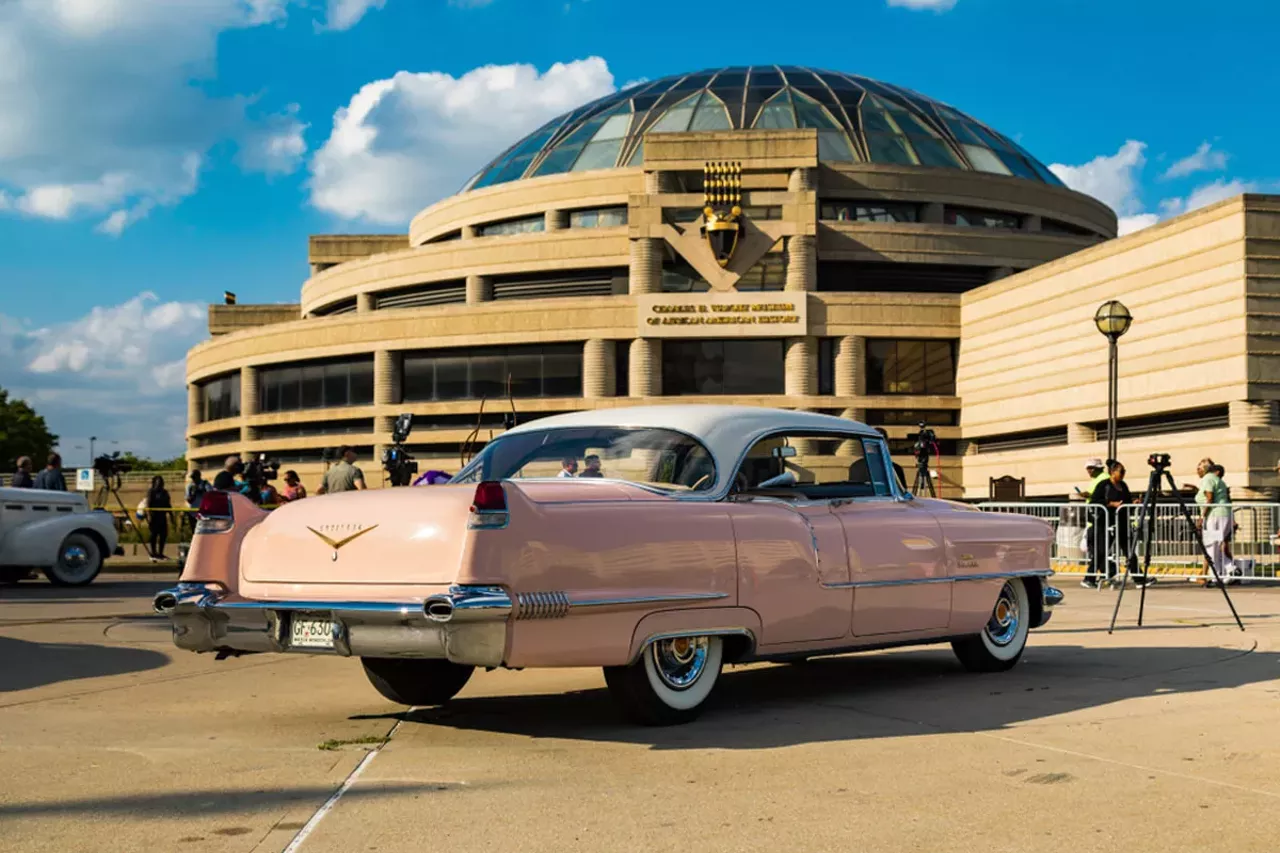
(792, 557)
(896, 553)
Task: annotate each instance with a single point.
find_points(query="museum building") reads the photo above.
(774, 236)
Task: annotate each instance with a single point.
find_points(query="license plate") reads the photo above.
(310, 632)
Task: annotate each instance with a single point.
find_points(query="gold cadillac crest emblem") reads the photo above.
(722, 208)
(336, 544)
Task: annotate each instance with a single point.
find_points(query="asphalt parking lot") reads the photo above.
(1160, 738)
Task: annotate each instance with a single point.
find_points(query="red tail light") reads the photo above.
(215, 505)
(489, 507)
(214, 515)
(489, 498)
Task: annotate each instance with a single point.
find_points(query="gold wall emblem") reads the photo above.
(722, 208)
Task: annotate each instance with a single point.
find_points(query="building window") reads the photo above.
(317, 385)
(747, 366)
(912, 417)
(601, 217)
(911, 367)
(1052, 226)
(827, 366)
(220, 398)
(622, 368)
(769, 273)
(523, 225)
(870, 211)
(532, 371)
(974, 218)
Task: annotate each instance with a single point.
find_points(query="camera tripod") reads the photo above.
(111, 488)
(924, 482)
(1146, 529)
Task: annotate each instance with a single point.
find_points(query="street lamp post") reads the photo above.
(92, 439)
(1113, 320)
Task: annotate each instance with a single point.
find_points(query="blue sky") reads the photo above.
(156, 152)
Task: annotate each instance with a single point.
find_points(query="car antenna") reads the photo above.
(473, 435)
(511, 402)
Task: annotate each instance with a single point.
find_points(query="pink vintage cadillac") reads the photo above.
(659, 543)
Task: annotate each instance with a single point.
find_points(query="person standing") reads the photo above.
(568, 467)
(343, 477)
(225, 481)
(593, 467)
(1114, 493)
(1095, 526)
(51, 477)
(293, 488)
(1215, 514)
(196, 490)
(22, 478)
(158, 506)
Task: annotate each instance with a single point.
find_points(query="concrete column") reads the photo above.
(479, 289)
(802, 263)
(386, 387)
(598, 369)
(931, 212)
(1080, 434)
(364, 303)
(1031, 222)
(195, 405)
(556, 220)
(646, 265)
(660, 182)
(467, 232)
(801, 180)
(801, 367)
(1243, 413)
(248, 401)
(646, 367)
(851, 366)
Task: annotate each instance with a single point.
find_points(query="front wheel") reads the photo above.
(79, 561)
(1004, 637)
(670, 682)
(413, 681)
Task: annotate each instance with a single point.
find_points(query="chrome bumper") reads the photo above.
(467, 625)
(1051, 597)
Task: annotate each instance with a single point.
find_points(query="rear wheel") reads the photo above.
(79, 561)
(411, 681)
(670, 682)
(1004, 637)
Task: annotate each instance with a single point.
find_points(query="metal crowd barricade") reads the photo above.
(1175, 549)
(1074, 533)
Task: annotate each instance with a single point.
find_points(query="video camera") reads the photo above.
(111, 466)
(258, 472)
(396, 461)
(926, 445)
(1159, 461)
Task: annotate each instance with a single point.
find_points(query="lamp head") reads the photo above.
(1113, 319)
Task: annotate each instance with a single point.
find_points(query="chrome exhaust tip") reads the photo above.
(164, 603)
(438, 609)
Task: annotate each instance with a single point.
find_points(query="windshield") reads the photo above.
(653, 457)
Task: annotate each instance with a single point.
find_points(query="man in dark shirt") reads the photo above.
(51, 477)
(22, 477)
(225, 481)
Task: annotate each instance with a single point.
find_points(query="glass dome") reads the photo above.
(857, 119)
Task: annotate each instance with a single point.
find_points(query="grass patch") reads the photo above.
(367, 740)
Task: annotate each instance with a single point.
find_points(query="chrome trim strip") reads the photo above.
(647, 599)
(697, 632)
(1030, 573)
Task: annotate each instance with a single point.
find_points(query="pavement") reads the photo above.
(1149, 739)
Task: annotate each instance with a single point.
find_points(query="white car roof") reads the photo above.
(727, 431)
(11, 495)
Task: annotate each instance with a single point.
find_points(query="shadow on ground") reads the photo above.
(42, 592)
(194, 803)
(24, 664)
(908, 693)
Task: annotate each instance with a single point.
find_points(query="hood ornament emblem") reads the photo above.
(336, 544)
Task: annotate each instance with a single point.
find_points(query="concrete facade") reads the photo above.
(1030, 364)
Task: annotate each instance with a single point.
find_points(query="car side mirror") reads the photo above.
(786, 478)
(785, 452)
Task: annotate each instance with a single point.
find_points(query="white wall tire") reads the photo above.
(1004, 637)
(79, 561)
(671, 681)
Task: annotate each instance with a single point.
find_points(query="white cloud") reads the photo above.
(276, 145)
(1205, 159)
(345, 14)
(932, 5)
(1113, 179)
(1129, 224)
(105, 113)
(405, 142)
(118, 371)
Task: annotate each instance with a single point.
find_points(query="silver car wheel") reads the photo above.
(79, 561)
(680, 661)
(1002, 628)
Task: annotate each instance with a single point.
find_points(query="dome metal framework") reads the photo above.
(857, 119)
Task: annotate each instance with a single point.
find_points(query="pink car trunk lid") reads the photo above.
(387, 536)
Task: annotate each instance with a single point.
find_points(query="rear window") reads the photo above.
(659, 458)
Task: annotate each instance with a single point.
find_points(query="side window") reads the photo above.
(815, 466)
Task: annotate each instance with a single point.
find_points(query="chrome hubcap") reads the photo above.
(680, 661)
(75, 557)
(1003, 626)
